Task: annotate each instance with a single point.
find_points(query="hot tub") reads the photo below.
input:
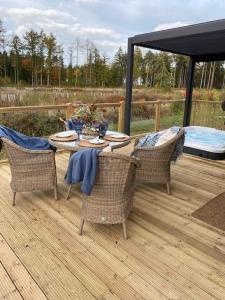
(205, 142)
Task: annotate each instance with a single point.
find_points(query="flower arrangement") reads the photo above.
(86, 113)
(88, 116)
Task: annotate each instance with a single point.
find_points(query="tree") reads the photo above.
(41, 56)
(148, 68)
(97, 64)
(90, 49)
(50, 45)
(2, 33)
(181, 70)
(32, 39)
(118, 68)
(59, 62)
(162, 75)
(138, 65)
(77, 47)
(16, 49)
(3, 44)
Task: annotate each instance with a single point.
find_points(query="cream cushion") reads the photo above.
(165, 137)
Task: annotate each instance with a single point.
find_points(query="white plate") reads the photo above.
(118, 135)
(64, 134)
(96, 141)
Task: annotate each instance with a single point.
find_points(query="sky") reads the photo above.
(107, 23)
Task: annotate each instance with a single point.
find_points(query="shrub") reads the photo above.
(33, 124)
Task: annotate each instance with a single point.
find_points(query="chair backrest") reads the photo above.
(17, 155)
(30, 169)
(14, 151)
(115, 175)
(167, 148)
(163, 152)
(174, 140)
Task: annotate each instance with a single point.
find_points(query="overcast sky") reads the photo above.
(107, 23)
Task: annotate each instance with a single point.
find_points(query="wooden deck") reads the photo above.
(169, 254)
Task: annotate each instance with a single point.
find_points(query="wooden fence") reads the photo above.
(163, 114)
(70, 107)
(204, 113)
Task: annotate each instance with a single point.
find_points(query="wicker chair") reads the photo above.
(30, 169)
(111, 198)
(155, 161)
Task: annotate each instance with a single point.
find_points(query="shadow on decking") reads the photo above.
(169, 254)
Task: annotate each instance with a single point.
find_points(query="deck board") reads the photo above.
(20, 277)
(169, 254)
(8, 290)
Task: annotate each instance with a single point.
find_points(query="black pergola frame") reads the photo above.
(182, 40)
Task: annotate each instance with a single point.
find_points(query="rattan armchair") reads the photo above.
(155, 161)
(30, 169)
(111, 197)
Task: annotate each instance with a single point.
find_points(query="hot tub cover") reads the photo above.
(205, 138)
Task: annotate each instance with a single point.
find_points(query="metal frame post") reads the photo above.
(129, 86)
(189, 90)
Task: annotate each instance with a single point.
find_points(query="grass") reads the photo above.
(18, 97)
(148, 125)
(143, 126)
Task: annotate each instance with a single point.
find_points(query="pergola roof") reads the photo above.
(203, 42)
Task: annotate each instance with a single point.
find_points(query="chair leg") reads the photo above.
(56, 193)
(168, 188)
(124, 230)
(68, 193)
(81, 226)
(14, 199)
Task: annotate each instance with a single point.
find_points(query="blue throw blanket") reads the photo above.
(83, 168)
(28, 142)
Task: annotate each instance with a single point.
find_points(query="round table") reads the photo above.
(73, 145)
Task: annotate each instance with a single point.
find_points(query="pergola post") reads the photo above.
(129, 86)
(189, 90)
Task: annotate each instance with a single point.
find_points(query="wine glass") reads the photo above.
(78, 126)
(103, 127)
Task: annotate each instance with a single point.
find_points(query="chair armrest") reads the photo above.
(136, 140)
(136, 161)
(143, 149)
(36, 151)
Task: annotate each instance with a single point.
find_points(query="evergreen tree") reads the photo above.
(15, 55)
(118, 68)
(138, 66)
(32, 39)
(50, 45)
(41, 56)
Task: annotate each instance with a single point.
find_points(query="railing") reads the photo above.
(70, 107)
(207, 113)
(147, 116)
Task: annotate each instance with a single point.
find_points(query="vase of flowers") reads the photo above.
(90, 118)
(86, 113)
